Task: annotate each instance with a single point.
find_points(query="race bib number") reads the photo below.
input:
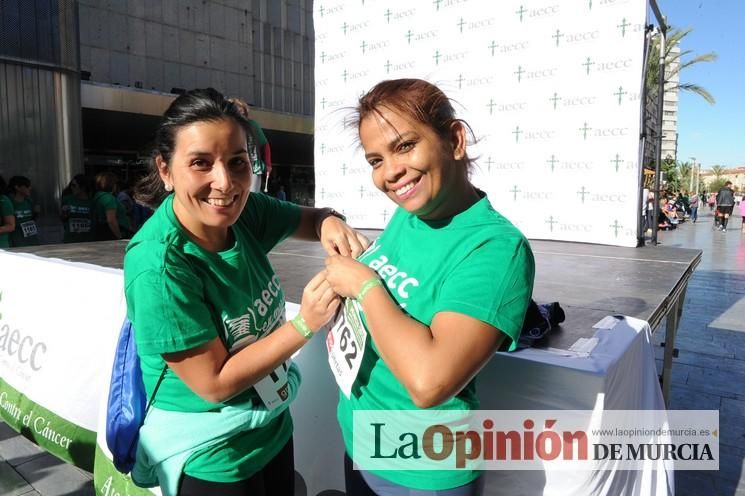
(274, 388)
(346, 345)
(28, 228)
(80, 225)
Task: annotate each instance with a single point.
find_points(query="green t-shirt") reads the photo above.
(27, 232)
(180, 296)
(79, 223)
(103, 201)
(6, 210)
(475, 263)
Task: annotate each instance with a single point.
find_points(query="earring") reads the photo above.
(168, 187)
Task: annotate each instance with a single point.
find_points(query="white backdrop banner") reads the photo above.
(58, 326)
(551, 89)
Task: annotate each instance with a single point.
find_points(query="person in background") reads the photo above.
(77, 212)
(725, 205)
(124, 196)
(444, 286)
(261, 154)
(693, 204)
(26, 232)
(281, 195)
(7, 217)
(208, 311)
(109, 216)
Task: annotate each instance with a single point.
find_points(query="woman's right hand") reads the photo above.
(319, 302)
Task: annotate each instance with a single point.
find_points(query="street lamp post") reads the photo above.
(693, 169)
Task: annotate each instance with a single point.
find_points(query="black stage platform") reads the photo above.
(590, 281)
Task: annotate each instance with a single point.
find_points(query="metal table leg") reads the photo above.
(671, 330)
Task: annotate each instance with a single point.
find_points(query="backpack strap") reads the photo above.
(157, 385)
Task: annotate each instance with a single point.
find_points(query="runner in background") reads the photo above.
(26, 232)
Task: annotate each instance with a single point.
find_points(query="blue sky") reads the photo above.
(714, 134)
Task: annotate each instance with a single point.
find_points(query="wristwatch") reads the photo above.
(333, 213)
(328, 212)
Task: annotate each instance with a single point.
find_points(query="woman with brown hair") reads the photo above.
(440, 290)
(110, 217)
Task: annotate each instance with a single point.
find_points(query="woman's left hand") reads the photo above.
(346, 275)
(338, 238)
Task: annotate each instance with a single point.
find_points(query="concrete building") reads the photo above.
(87, 81)
(670, 107)
(734, 174)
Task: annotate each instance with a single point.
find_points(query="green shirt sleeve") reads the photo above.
(494, 284)
(269, 219)
(167, 309)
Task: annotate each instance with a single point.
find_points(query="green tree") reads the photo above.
(718, 172)
(674, 64)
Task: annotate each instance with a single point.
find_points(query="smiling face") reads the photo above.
(413, 165)
(211, 177)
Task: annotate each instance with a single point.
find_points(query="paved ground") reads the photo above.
(709, 373)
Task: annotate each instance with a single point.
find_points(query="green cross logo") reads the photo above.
(583, 192)
(515, 191)
(323, 193)
(489, 161)
(557, 36)
(385, 215)
(323, 57)
(615, 226)
(323, 102)
(344, 169)
(408, 35)
(623, 27)
(460, 81)
(323, 148)
(589, 6)
(363, 46)
(584, 130)
(460, 24)
(437, 4)
(520, 12)
(550, 221)
(344, 27)
(588, 64)
(491, 105)
(552, 162)
(555, 98)
(362, 191)
(321, 10)
(387, 15)
(620, 94)
(616, 161)
(517, 132)
(493, 46)
(519, 73)
(387, 66)
(344, 75)
(437, 56)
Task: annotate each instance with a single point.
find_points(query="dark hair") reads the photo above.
(415, 98)
(199, 105)
(84, 182)
(18, 181)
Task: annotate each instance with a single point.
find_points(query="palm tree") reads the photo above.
(718, 171)
(674, 64)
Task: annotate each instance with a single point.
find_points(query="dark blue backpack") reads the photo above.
(126, 408)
